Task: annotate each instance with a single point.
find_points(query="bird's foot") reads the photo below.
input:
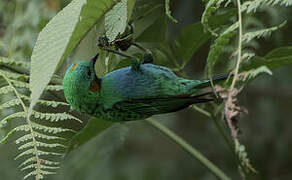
(135, 64)
(148, 57)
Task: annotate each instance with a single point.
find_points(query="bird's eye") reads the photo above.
(89, 72)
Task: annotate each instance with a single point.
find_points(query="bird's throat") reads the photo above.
(95, 86)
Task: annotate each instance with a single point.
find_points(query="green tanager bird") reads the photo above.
(131, 93)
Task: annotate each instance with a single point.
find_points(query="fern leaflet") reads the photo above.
(260, 33)
(39, 140)
(252, 6)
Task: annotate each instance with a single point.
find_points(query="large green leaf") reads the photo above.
(59, 37)
(274, 59)
(145, 14)
(94, 127)
(155, 33)
(130, 7)
(193, 36)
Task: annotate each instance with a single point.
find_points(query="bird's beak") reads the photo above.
(92, 63)
(93, 60)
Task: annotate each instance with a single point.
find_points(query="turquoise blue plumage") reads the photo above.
(131, 93)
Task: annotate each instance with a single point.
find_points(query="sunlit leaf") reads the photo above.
(116, 20)
(274, 59)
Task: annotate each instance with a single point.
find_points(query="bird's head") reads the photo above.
(81, 84)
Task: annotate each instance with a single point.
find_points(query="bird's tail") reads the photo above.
(215, 79)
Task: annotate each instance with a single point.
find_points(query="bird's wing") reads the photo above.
(154, 106)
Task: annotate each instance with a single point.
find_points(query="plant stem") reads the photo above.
(219, 128)
(189, 149)
(202, 111)
(239, 49)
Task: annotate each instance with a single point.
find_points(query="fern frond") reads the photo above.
(15, 76)
(24, 128)
(33, 160)
(12, 116)
(54, 88)
(37, 139)
(38, 153)
(20, 84)
(5, 90)
(12, 132)
(47, 129)
(31, 166)
(10, 62)
(252, 6)
(53, 104)
(28, 137)
(210, 8)
(54, 117)
(260, 33)
(251, 74)
(40, 144)
(39, 174)
(247, 55)
(218, 47)
(10, 103)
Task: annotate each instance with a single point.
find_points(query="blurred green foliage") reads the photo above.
(136, 151)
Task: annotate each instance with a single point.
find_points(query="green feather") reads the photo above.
(131, 93)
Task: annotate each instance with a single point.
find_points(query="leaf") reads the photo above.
(15, 76)
(251, 6)
(218, 46)
(130, 7)
(37, 137)
(253, 73)
(16, 64)
(9, 104)
(193, 36)
(116, 20)
(276, 58)
(94, 127)
(54, 117)
(260, 33)
(59, 37)
(160, 58)
(6, 89)
(155, 33)
(211, 7)
(145, 14)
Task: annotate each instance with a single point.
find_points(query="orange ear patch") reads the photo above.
(73, 67)
(94, 86)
